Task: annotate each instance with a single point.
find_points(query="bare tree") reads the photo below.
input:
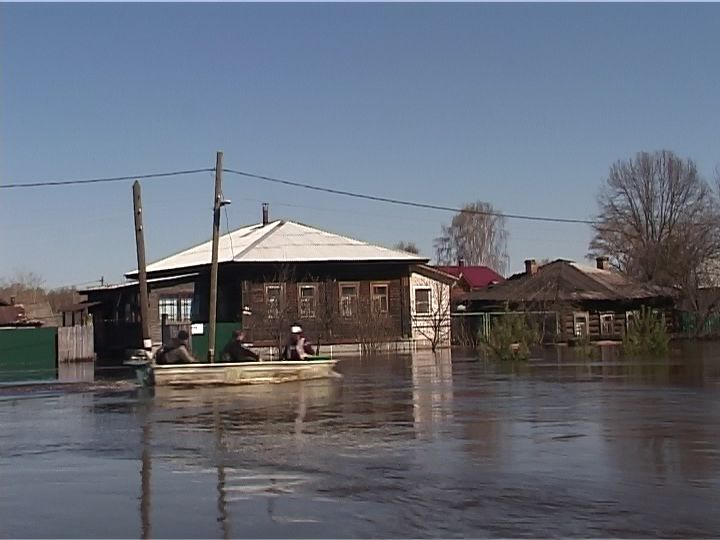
(24, 286)
(433, 323)
(658, 219)
(275, 314)
(659, 222)
(409, 247)
(373, 327)
(477, 235)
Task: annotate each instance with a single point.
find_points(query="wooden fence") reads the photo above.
(76, 343)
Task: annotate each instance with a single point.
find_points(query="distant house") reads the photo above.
(471, 278)
(581, 301)
(35, 314)
(271, 275)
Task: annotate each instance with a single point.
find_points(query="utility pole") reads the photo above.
(212, 316)
(142, 277)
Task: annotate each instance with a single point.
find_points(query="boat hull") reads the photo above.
(237, 373)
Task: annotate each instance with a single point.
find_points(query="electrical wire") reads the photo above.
(104, 180)
(407, 203)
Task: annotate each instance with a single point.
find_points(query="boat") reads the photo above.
(236, 373)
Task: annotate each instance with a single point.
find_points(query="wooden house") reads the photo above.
(577, 301)
(271, 275)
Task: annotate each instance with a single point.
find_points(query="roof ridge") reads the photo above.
(264, 237)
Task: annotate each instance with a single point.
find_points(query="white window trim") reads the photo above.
(314, 287)
(281, 288)
(356, 286)
(430, 299)
(584, 316)
(385, 284)
(612, 322)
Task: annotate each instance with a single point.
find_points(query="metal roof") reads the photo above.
(281, 242)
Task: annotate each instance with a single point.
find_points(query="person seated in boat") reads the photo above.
(177, 352)
(297, 346)
(235, 351)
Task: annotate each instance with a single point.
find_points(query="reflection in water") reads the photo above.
(76, 372)
(422, 446)
(432, 384)
(145, 478)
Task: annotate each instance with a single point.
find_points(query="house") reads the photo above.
(275, 273)
(471, 278)
(35, 314)
(571, 300)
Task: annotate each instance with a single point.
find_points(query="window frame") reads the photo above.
(353, 306)
(280, 287)
(423, 288)
(585, 317)
(169, 300)
(315, 289)
(604, 317)
(374, 296)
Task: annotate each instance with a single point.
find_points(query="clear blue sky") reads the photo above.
(525, 106)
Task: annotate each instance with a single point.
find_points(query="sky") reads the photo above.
(525, 106)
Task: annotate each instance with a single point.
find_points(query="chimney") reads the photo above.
(531, 267)
(603, 263)
(461, 262)
(265, 213)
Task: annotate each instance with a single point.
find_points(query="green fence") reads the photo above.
(690, 324)
(28, 353)
(223, 333)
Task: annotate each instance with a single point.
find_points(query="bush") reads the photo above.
(647, 335)
(510, 338)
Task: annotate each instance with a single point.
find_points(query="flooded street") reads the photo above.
(403, 446)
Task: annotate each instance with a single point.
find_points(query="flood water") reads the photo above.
(402, 447)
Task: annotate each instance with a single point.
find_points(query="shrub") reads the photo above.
(510, 338)
(647, 335)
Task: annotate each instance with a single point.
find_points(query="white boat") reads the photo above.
(236, 373)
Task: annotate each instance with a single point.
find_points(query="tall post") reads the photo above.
(142, 277)
(212, 315)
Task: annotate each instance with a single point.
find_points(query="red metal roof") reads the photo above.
(476, 277)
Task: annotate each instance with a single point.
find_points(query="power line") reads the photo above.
(406, 203)
(104, 180)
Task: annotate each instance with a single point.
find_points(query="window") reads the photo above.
(169, 306)
(174, 307)
(273, 299)
(422, 301)
(379, 294)
(581, 323)
(186, 309)
(307, 301)
(607, 324)
(348, 299)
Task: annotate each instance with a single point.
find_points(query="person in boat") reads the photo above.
(235, 350)
(297, 346)
(177, 352)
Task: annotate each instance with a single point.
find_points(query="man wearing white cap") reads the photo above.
(297, 347)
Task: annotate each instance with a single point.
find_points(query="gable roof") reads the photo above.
(567, 281)
(433, 272)
(476, 277)
(281, 242)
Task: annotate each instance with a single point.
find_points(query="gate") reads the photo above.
(76, 343)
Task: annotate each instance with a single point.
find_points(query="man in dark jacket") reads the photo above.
(235, 351)
(297, 347)
(177, 352)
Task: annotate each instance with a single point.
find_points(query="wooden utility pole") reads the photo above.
(142, 277)
(212, 316)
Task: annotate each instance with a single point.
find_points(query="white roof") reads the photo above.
(280, 242)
